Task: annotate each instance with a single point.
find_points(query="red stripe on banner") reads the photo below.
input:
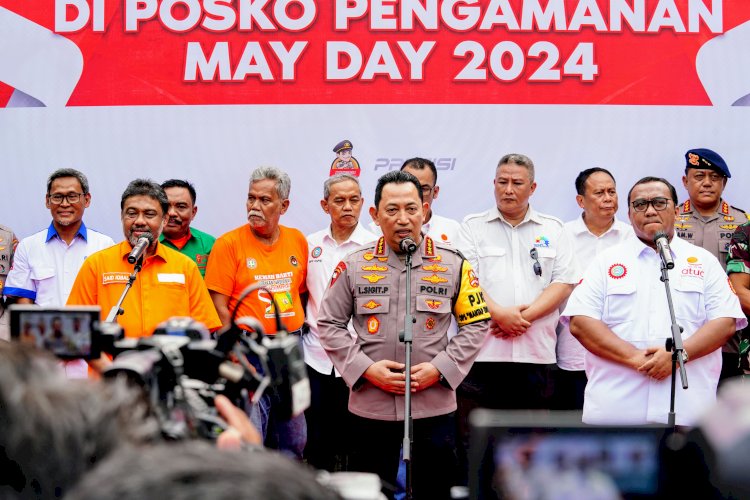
(150, 66)
(5, 92)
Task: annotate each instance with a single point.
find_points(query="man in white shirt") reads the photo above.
(619, 313)
(438, 228)
(327, 416)
(594, 231)
(46, 263)
(525, 263)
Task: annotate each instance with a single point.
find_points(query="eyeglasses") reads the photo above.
(57, 199)
(641, 205)
(427, 189)
(537, 266)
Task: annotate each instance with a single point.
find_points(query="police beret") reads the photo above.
(705, 158)
(342, 146)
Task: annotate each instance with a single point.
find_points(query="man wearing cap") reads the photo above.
(708, 221)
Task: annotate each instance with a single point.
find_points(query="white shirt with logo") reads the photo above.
(622, 288)
(500, 255)
(587, 246)
(323, 256)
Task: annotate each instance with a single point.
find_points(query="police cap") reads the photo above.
(706, 159)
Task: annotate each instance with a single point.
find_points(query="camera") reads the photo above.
(180, 368)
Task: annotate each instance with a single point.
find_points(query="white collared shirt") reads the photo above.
(500, 255)
(45, 267)
(324, 254)
(587, 246)
(622, 288)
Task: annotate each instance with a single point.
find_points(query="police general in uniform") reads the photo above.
(708, 221)
(368, 286)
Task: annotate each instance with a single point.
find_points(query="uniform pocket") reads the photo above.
(493, 263)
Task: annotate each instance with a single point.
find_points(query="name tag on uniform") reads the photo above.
(114, 278)
(171, 278)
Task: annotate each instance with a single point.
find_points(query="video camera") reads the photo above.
(180, 367)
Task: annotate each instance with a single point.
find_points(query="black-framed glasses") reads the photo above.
(641, 205)
(57, 199)
(537, 266)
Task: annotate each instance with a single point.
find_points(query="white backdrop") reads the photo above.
(216, 147)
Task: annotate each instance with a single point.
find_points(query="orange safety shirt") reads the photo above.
(238, 260)
(168, 285)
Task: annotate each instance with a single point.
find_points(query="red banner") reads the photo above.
(157, 52)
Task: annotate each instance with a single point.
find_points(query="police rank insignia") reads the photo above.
(371, 305)
(617, 271)
(369, 256)
(729, 226)
(435, 279)
(374, 267)
(373, 325)
(373, 278)
(433, 304)
(435, 268)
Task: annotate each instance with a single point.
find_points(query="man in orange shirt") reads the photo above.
(265, 252)
(169, 283)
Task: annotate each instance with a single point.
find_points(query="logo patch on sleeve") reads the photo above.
(617, 271)
(340, 268)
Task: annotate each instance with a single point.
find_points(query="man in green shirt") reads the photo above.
(177, 232)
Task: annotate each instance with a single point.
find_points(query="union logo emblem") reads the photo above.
(617, 271)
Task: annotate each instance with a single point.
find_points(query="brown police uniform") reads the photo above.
(713, 233)
(369, 286)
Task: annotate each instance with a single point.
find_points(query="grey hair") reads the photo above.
(283, 182)
(335, 180)
(68, 172)
(520, 160)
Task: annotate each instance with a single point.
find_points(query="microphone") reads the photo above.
(662, 246)
(143, 243)
(407, 245)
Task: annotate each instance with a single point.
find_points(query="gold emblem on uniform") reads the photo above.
(435, 268)
(435, 279)
(374, 278)
(728, 218)
(683, 226)
(729, 226)
(433, 304)
(369, 256)
(374, 267)
(371, 305)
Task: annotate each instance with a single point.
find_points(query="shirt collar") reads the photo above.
(358, 236)
(52, 232)
(578, 226)
(531, 215)
(636, 247)
(126, 247)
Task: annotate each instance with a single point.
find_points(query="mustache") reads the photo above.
(255, 213)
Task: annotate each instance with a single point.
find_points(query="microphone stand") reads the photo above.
(117, 309)
(407, 337)
(674, 344)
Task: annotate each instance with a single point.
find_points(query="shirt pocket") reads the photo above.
(689, 304)
(619, 305)
(493, 263)
(547, 260)
(373, 312)
(44, 279)
(432, 315)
